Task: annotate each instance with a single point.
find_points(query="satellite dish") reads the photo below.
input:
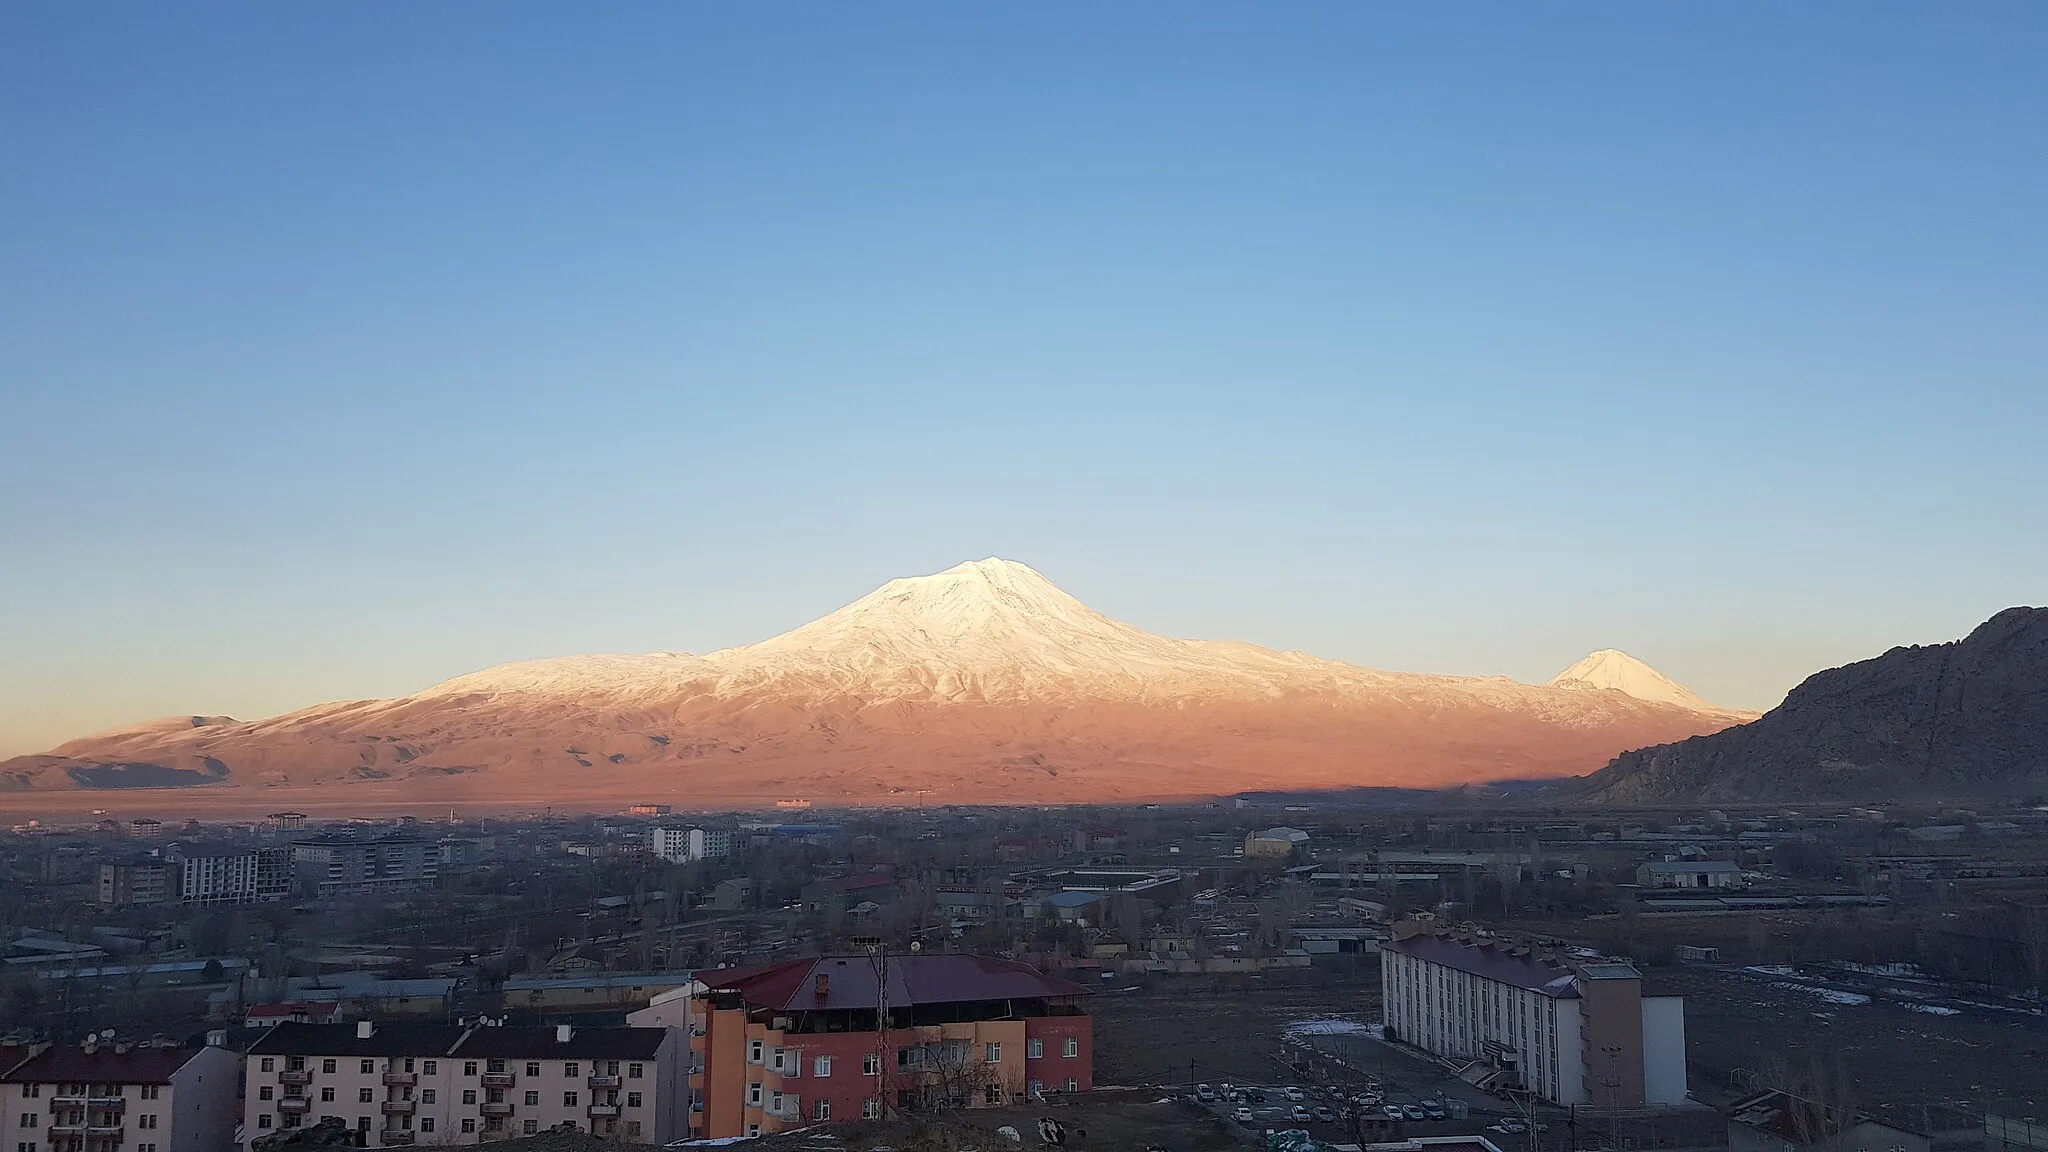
(917, 945)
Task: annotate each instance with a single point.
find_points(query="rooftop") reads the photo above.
(110, 1064)
(473, 1042)
(1691, 866)
(1492, 960)
(841, 982)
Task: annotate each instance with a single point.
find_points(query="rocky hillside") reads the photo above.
(1968, 718)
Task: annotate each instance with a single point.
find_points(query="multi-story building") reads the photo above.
(214, 873)
(120, 1098)
(682, 845)
(350, 864)
(147, 881)
(1570, 1030)
(406, 1084)
(798, 1043)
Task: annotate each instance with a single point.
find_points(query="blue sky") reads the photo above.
(344, 348)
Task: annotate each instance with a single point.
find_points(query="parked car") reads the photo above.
(1433, 1110)
(1511, 1127)
(1393, 1112)
(1413, 1112)
(1293, 1093)
(1324, 1114)
(1205, 1094)
(1242, 1116)
(1254, 1096)
(1299, 1114)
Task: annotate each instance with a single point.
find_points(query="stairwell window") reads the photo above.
(871, 1109)
(993, 1054)
(822, 1066)
(821, 1110)
(1070, 1047)
(1034, 1048)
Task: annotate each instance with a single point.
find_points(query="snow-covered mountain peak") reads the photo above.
(1615, 669)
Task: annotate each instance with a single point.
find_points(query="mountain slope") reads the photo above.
(1964, 718)
(981, 683)
(1629, 676)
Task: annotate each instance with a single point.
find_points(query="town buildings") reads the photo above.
(120, 1098)
(1572, 1031)
(145, 881)
(796, 1043)
(1689, 874)
(407, 1084)
(337, 863)
(682, 845)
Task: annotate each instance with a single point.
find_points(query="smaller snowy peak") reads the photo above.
(1609, 668)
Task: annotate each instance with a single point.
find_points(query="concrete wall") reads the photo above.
(203, 1107)
(1663, 1050)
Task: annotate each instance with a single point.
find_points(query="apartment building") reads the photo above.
(798, 1043)
(219, 873)
(137, 882)
(1572, 1031)
(120, 1098)
(407, 1084)
(682, 845)
(337, 864)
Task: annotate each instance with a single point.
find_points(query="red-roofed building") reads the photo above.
(121, 1098)
(784, 1045)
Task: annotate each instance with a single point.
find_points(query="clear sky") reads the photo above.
(348, 347)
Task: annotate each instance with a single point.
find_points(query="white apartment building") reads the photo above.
(682, 845)
(1571, 1031)
(407, 1084)
(121, 1098)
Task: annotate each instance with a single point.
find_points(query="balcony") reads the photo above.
(604, 1109)
(395, 1137)
(499, 1079)
(497, 1108)
(295, 1104)
(400, 1079)
(66, 1129)
(604, 1081)
(302, 1076)
(67, 1101)
(107, 1103)
(103, 1131)
(400, 1107)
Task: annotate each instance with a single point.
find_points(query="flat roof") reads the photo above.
(1491, 960)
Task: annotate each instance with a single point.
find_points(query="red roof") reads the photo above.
(71, 1064)
(849, 982)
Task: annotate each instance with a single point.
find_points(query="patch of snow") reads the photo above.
(1934, 1009)
(1831, 995)
(1772, 970)
(1623, 673)
(1332, 1026)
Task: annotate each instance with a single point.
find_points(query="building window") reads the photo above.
(633, 1071)
(263, 1121)
(148, 1091)
(821, 1110)
(426, 1095)
(327, 1095)
(994, 1054)
(1034, 1048)
(327, 1066)
(568, 1099)
(533, 1067)
(754, 1051)
(426, 1123)
(611, 1067)
(369, 1067)
(532, 1098)
(632, 1099)
(148, 1121)
(571, 1069)
(822, 1066)
(1070, 1047)
(269, 1065)
(362, 1123)
(871, 1065)
(992, 1095)
(754, 1094)
(365, 1095)
(265, 1092)
(494, 1123)
(469, 1123)
(469, 1095)
(753, 1130)
(430, 1067)
(1034, 1087)
(871, 1109)
(469, 1067)
(1073, 1085)
(530, 1127)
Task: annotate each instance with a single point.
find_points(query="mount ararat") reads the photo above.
(982, 683)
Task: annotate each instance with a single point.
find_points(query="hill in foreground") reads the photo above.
(1949, 721)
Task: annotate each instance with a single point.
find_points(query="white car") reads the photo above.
(1299, 1115)
(1243, 1116)
(1293, 1093)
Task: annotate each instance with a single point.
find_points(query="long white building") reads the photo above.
(1570, 1031)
